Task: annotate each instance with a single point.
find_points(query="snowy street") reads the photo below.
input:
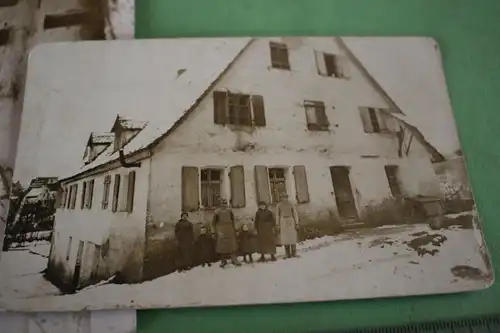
(397, 260)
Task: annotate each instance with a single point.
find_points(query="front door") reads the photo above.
(343, 192)
(78, 265)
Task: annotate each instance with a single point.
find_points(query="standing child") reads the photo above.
(246, 240)
(205, 247)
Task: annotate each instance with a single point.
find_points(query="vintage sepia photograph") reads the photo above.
(234, 171)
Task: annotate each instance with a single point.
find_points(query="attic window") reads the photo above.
(279, 56)
(64, 20)
(8, 3)
(331, 65)
(373, 120)
(238, 109)
(4, 36)
(317, 119)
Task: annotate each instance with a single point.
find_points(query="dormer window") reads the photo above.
(124, 130)
(96, 144)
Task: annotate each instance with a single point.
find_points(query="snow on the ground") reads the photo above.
(20, 273)
(360, 264)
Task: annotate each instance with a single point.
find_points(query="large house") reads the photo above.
(254, 119)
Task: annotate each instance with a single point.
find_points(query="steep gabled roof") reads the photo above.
(128, 124)
(190, 85)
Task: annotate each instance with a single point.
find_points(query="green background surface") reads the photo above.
(469, 36)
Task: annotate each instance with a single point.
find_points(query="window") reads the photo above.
(64, 20)
(277, 183)
(83, 198)
(202, 187)
(4, 36)
(105, 192)
(279, 55)
(130, 192)
(73, 197)
(91, 193)
(316, 116)
(211, 185)
(238, 109)
(373, 119)
(331, 65)
(392, 173)
(69, 192)
(271, 183)
(116, 193)
(65, 197)
(88, 193)
(68, 250)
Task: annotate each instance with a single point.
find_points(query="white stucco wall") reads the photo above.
(124, 230)
(286, 140)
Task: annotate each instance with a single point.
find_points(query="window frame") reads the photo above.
(280, 57)
(74, 197)
(209, 182)
(273, 180)
(239, 107)
(319, 108)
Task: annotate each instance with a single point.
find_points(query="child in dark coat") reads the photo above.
(205, 247)
(247, 243)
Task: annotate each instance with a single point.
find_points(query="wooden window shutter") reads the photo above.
(365, 119)
(302, 189)
(190, 189)
(130, 192)
(237, 176)
(262, 184)
(116, 193)
(320, 62)
(220, 107)
(344, 66)
(105, 192)
(321, 117)
(259, 115)
(91, 194)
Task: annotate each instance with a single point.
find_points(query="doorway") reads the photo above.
(78, 266)
(344, 197)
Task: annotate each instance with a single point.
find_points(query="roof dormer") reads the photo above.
(124, 129)
(96, 144)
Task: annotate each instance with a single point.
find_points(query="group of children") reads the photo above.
(204, 246)
(203, 249)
